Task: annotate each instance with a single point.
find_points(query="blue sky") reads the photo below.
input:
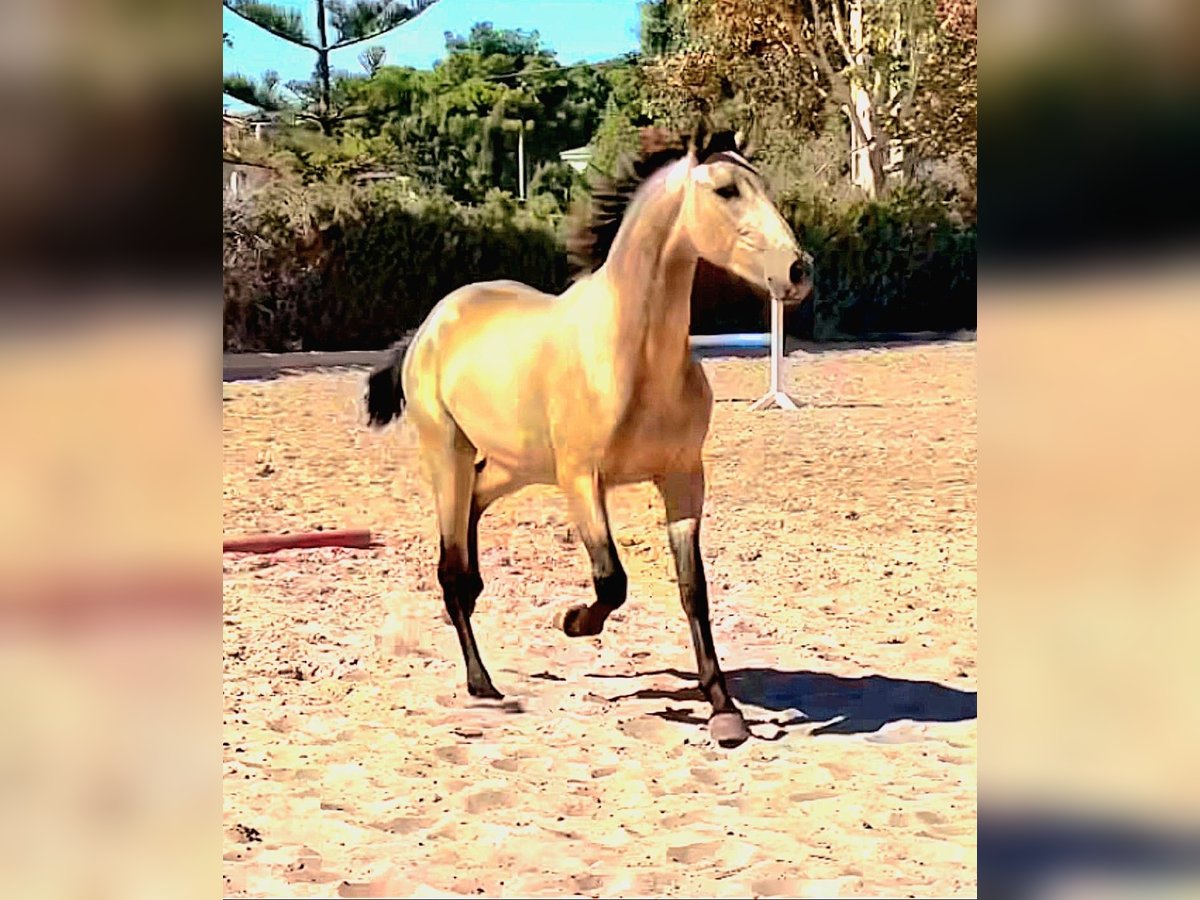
(578, 30)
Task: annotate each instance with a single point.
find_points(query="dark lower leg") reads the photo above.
(460, 588)
(693, 592)
(611, 584)
(585, 497)
(473, 558)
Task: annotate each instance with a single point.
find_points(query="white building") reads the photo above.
(578, 158)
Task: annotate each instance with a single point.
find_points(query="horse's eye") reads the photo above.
(728, 191)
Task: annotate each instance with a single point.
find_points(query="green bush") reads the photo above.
(887, 267)
(340, 267)
(557, 182)
(328, 267)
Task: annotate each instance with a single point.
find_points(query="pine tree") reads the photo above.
(352, 23)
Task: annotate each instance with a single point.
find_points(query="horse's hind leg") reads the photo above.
(585, 497)
(453, 472)
(492, 481)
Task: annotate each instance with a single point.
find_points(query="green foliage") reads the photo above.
(354, 21)
(281, 21)
(263, 94)
(663, 27)
(322, 98)
(317, 159)
(617, 136)
(365, 19)
(371, 60)
(885, 267)
(337, 266)
(628, 91)
(558, 182)
(455, 128)
(508, 49)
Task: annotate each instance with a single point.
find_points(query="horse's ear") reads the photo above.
(746, 144)
(746, 139)
(699, 136)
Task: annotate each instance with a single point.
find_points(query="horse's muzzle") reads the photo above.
(799, 294)
(799, 281)
(792, 294)
(801, 271)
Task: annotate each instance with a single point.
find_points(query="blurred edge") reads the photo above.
(1090, 132)
(1089, 558)
(1089, 570)
(110, 663)
(108, 145)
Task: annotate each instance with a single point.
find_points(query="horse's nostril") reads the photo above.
(801, 270)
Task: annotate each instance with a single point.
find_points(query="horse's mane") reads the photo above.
(594, 225)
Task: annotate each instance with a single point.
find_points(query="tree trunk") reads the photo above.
(866, 154)
(323, 114)
(866, 146)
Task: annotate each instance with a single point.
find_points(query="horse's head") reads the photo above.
(732, 222)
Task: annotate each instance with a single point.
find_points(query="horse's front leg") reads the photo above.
(683, 494)
(585, 498)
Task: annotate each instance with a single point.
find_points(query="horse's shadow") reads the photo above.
(847, 705)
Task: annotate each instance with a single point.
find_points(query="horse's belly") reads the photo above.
(642, 463)
(645, 453)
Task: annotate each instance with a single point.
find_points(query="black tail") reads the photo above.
(385, 393)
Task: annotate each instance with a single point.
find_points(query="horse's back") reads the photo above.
(492, 318)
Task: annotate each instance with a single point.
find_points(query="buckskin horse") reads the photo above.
(508, 386)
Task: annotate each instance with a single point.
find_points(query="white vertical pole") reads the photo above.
(776, 395)
(776, 347)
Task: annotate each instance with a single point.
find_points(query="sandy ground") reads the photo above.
(840, 548)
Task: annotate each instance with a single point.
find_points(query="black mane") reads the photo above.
(595, 224)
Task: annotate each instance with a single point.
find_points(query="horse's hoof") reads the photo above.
(484, 692)
(575, 623)
(728, 728)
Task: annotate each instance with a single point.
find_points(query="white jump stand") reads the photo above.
(776, 396)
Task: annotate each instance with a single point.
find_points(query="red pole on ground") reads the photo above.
(268, 543)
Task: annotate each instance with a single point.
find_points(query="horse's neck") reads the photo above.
(649, 273)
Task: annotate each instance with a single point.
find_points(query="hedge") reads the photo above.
(887, 267)
(334, 267)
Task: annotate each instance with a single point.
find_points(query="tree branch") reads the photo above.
(879, 90)
(904, 108)
(838, 27)
(865, 143)
(839, 88)
(291, 38)
(370, 37)
(234, 161)
(813, 81)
